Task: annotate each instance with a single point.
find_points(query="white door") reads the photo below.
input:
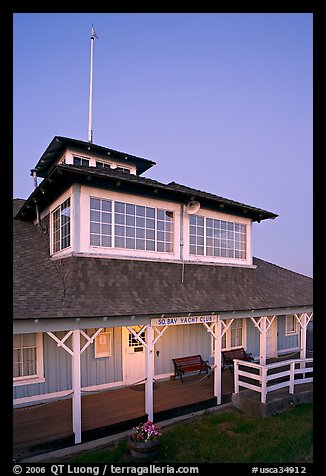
(133, 357)
(271, 339)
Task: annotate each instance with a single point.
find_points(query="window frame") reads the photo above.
(225, 237)
(107, 332)
(296, 327)
(227, 337)
(54, 229)
(161, 226)
(39, 376)
(85, 159)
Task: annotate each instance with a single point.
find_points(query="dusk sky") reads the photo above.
(221, 102)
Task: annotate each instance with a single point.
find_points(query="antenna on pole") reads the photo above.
(90, 111)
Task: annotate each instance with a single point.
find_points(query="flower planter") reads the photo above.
(143, 449)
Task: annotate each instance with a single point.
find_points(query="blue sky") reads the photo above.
(222, 102)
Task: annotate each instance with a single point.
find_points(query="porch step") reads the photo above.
(278, 401)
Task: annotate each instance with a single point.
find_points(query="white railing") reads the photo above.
(259, 378)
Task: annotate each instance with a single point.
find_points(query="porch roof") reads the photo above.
(96, 287)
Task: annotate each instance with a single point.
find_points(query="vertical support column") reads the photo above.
(76, 384)
(236, 377)
(263, 384)
(218, 361)
(303, 336)
(292, 369)
(262, 340)
(149, 401)
(303, 340)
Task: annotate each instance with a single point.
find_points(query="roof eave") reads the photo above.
(59, 144)
(57, 171)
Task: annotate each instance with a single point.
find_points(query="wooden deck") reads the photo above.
(51, 422)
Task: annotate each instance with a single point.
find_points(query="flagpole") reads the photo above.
(90, 111)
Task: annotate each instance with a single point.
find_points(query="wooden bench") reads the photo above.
(191, 363)
(230, 355)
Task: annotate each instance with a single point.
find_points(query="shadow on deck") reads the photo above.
(48, 426)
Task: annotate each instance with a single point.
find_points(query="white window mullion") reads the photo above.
(113, 224)
(156, 228)
(205, 236)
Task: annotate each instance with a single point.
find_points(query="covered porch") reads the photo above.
(45, 426)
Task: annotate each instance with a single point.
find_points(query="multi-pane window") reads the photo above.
(218, 238)
(232, 337)
(103, 165)
(80, 161)
(236, 333)
(24, 356)
(126, 225)
(100, 222)
(291, 325)
(61, 226)
(134, 344)
(123, 169)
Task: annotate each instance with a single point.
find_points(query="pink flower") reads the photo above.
(147, 431)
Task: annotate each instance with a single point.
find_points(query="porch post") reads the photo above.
(76, 384)
(149, 373)
(218, 361)
(262, 340)
(303, 336)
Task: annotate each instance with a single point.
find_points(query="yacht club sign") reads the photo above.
(177, 321)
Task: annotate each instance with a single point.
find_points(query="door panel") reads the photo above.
(133, 357)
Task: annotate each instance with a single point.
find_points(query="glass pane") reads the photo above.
(130, 220)
(130, 231)
(119, 242)
(140, 233)
(130, 209)
(95, 216)
(130, 243)
(150, 223)
(140, 210)
(106, 229)
(95, 240)
(106, 240)
(150, 245)
(150, 234)
(119, 230)
(150, 212)
(140, 244)
(192, 249)
(120, 219)
(106, 205)
(209, 222)
(106, 217)
(140, 222)
(200, 221)
(95, 227)
(120, 207)
(95, 203)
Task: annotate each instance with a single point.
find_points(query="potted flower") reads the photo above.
(144, 440)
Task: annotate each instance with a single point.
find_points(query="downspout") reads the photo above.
(181, 244)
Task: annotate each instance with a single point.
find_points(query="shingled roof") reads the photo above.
(64, 175)
(96, 287)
